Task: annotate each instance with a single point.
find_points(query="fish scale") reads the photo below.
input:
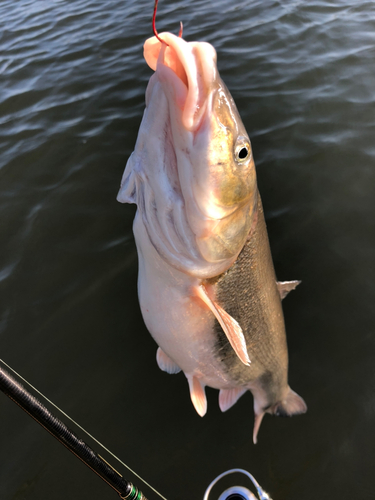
(238, 292)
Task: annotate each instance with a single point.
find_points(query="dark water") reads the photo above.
(71, 98)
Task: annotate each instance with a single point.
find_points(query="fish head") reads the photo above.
(222, 158)
(224, 179)
(195, 156)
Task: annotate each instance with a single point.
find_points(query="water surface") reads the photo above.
(71, 100)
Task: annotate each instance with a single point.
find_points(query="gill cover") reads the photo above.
(192, 173)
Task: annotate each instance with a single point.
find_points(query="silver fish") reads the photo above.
(207, 287)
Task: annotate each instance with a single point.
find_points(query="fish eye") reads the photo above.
(242, 154)
(242, 151)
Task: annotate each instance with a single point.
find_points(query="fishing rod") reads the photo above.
(32, 406)
(126, 490)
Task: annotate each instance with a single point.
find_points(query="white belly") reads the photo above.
(180, 322)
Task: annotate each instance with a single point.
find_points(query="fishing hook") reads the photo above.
(154, 27)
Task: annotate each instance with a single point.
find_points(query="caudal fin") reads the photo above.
(292, 404)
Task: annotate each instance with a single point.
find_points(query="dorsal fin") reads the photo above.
(285, 287)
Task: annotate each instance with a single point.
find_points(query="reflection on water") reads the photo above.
(71, 100)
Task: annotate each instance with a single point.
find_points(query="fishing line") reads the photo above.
(82, 429)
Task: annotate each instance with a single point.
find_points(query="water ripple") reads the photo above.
(71, 100)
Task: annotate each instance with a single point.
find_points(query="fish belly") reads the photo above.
(180, 323)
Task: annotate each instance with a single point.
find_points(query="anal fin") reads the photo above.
(197, 395)
(231, 328)
(228, 397)
(257, 421)
(165, 363)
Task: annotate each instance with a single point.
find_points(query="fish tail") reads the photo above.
(292, 404)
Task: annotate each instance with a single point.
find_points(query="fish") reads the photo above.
(207, 286)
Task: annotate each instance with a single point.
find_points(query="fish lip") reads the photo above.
(193, 64)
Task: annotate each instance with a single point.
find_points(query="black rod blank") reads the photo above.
(31, 405)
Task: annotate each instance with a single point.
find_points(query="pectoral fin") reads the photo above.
(285, 287)
(165, 363)
(231, 328)
(228, 397)
(197, 394)
(128, 189)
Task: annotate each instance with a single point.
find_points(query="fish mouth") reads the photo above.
(189, 69)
